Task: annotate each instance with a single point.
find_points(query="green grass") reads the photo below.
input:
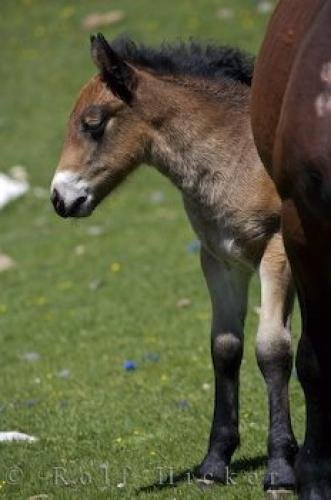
(101, 416)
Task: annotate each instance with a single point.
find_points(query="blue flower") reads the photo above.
(129, 365)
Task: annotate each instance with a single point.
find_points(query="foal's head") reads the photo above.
(106, 137)
(144, 105)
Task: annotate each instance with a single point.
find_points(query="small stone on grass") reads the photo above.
(79, 250)
(64, 373)
(152, 356)
(183, 404)
(265, 7)
(95, 284)
(96, 19)
(225, 13)
(31, 403)
(95, 231)
(6, 263)
(16, 436)
(184, 302)
(157, 197)
(40, 193)
(19, 173)
(194, 246)
(30, 357)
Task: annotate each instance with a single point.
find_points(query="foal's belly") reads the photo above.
(219, 238)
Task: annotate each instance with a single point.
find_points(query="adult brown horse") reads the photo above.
(291, 116)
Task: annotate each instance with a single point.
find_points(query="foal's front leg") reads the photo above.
(228, 285)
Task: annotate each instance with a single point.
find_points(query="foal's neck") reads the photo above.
(202, 143)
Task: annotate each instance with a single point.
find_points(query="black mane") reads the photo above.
(192, 58)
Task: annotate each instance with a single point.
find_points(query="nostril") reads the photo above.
(55, 196)
(77, 203)
(58, 203)
(80, 200)
(60, 207)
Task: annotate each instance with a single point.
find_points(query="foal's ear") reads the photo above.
(118, 75)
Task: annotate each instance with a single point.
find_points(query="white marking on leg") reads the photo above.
(323, 100)
(326, 73)
(323, 104)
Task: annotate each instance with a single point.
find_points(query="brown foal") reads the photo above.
(185, 110)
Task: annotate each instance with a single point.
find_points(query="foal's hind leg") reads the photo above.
(274, 355)
(228, 286)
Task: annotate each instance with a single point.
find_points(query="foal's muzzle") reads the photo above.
(67, 210)
(71, 196)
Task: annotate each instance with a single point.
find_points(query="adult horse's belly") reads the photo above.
(288, 27)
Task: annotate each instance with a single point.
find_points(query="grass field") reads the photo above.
(88, 295)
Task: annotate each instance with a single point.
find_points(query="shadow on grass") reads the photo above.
(243, 465)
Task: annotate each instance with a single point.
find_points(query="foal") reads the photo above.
(185, 110)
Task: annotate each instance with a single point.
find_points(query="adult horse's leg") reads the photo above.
(309, 249)
(302, 161)
(274, 355)
(228, 286)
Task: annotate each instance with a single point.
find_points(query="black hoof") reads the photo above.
(212, 470)
(279, 476)
(315, 491)
(313, 476)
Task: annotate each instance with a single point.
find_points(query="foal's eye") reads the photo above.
(94, 128)
(94, 120)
